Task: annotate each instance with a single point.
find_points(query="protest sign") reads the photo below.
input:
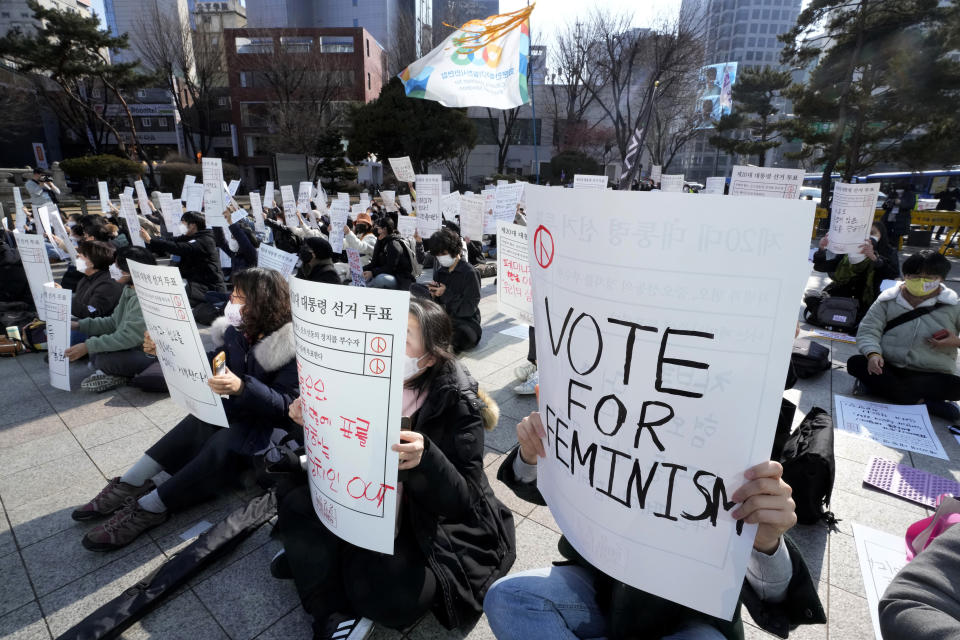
(405, 202)
(143, 200)
(269, 257)
(655, 173)
(489, 205)
(356, 269)
(43, 215)
(508, 199)
(715, 185)
(170, 323)
(356, 209)
(471, 217)
(514, 287)
(188, 181)
(853, 207)
(766, 182)
(289, 207)
(881, 558)
(172, 212)
(428, 204)
(56, 223)
(900, 426)
(213, 204)
(343, 196)
(128, 212)
(672, 183)
(364, 200)
(232, 187)
(303, 197)
(403, 169)
(104, 194)
(33, 255)
(389, 200)
(21, 216)
(226, 262)
(128, 191)
(661, 377)
(450, 206)
(445, 188)
(350, 351)
(406, 225)
(268, 195)
(584, 181)
(194, 201)
(256, 207)
(320, 198)
(57, 306)
(339, 211)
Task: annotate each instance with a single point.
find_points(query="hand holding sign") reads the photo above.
(765, 501)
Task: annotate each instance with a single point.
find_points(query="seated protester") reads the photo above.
(902, 361)
(241, 245)
(261, 381)
(576, 600)
(316, 254)
(922, 600)
(390, 267)
(283, 238)
(13, 279)
(97, 293)
(454, 537)
(115, 342)
(199, 257)
(859, 275)
(361, 237)
(456, 286)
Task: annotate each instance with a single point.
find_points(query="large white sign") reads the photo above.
(303, 197)
(715, 185)
(351, 343)
(256, 207)
(852, 210)
(194, 199)
(21, 216)
(188, 180)
(268, 195)
(213, 204)
(142, 198)
(661, 379)
(514, 288)
(471, 217)
(672, 183)
(270, 257)
(104, 194)
(172, 212)
(586, 181)
(507, 201)
(901, 426)
(289, 207)
(881, 558)
(389, 200)
(656, 171)
(403, 169)
(450, 206)
(128, 211)
(339, 211)
(766, 182)
(405, 202)
(57, 307)
(428, 204)
(406, 226)
(33, 255)
(166, 312)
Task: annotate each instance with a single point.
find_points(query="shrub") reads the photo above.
(103, 167)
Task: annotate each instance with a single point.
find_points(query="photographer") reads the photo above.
(41, 189)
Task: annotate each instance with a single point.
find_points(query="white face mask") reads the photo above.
(115, 272)
(82, 265)
(232, 244)
(410, 367)
(183, 229)
(855, 258)
(445, 261)
(232, 312)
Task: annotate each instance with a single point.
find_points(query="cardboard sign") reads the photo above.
(405, 202)
(428, 204)
(289, 207)
(655, 173)
(256, 207)
(128, 212)
(766, 182)
(21, 215)
(853, 207)
(172, 212)
(584, 181)
(508, 199)
(356, 269)
(406, 225)
(194, 201)
(489, 206)
(881, 556)
(514, 287)
(471, 217)
(661, 378)
(715, 185)
(351, 343)
(57, 307)
(142, 198)
(403, 169)
(339, 210)
(270, 257)
(188, 181)
(33, 255)
(104, 193)
(672, 183)
(213, 200)
(389, 200)
(268, 195)
(169, 320)
(900, 426)
(303, 197)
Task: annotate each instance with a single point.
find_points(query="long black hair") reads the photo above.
(266, 305)
(437, 332)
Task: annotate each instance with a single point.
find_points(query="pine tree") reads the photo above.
(753, 114)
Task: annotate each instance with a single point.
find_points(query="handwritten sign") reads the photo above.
(585, 181)
(339, 211)
(289, 207)
(403, 169)
(881, 556)
(183, 360)
(303, 197)
(514, 287)
(343, 196)
(188, 181)
(356, 270)
(507, 201)
(471, 217)
(128, 212)
(57, 307)
(899, 426)
(661, 379)
(356, 209)
(270, 257)
(389, 200)
(450, 206)
(407, 226)
(320, 197)
(213, 201)
(489, 206)
(56, 223)
(351, 343)
(715, 185)
(428, 204)
(172, 212)
(256, 206)
(655, 173)
(194, 201)
(142, 198)
(405, 202)
(853, 207)
(104, 194)
(672, 183)
(21, 215)
(268, 195)
(33, 255)
(766, 182)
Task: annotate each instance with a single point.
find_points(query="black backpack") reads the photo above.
(809, 358)
(809, 467)
(838, 313)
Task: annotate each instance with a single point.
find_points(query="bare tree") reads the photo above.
(403, 43)
(456, 166)
(675, 121)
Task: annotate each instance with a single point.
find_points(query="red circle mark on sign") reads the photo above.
(378, 344)
(543, 246)
(377, 366)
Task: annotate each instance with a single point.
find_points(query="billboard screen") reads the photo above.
(716, 84)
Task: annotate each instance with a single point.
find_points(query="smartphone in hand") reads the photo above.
(940, 335)
(220, 364)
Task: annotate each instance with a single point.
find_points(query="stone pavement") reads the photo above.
(57, 449)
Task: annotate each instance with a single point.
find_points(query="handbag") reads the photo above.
(922, 532)
(809, 467)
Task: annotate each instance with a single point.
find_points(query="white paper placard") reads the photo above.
(21, 215)
(428, 204)
(60, 230)
(142, 198)
(303, 197)
(508, 199)
(489, 206)
(43, 215)
(471, 217)
(256, 206)
(356, 269)
(343, 196)
(194, 201)
(166, 312)
(172, 212)
(715, 185)
(213, 202)
(501, 183)
(57, 306)
(852, 210)
(128, 191)
(405, 202)
(269, 257)
(672, 183)
(356, 209)
(104, 192)
(406, 225)
(668, 369)
(188, 181)
(445, 188)
(289, 206)
(232, 188)
(882, 555)
(586, 181)
(268, 195)
(389, 200)
(365, 200)
(226, 262)
(320, 196)
(450, 206)
(128, 211)
(655, 173)
(900, 426)
(514, 286)
(339, 211)
(403, 169)
(36, 264)
(351, 343)
(765, 182)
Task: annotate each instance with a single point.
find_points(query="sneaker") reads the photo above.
(524, 371)
(529, 386)
(111, 498)
(949, 411)
(100, 382)
(123, 527)
(340, 626)
(280, 566)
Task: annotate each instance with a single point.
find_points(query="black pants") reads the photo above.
(203, 459)
(532, 346)
(466, 335)
(905, 386)
(127, 363)
(334, 576)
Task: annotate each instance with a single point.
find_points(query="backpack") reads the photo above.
(34, 335)
(832, 312)
(809, 358)
(809, 467)
(415, 267)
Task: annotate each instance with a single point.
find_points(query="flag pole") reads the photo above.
(533, 102)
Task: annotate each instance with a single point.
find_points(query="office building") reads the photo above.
(127, 16)
(379, 17)
(16, 14)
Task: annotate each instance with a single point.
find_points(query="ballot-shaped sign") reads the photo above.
(232, 187)
(507, 201)
(142, 198)
(104, 194)
(194, 198)
(406, 226)
(489, 206)
(664, 331)
(656, 171)
(166, 312)
(852, 210)
(20, 220)
(57, 313)
(303, 197)
(450, 206)
(389, 200)
(188, 180)
(585, 181)
(289, 207)
(471, 217)
(270, 257)
(403, 169)
(351, 343)
(268, 195)
(256, 207)
(36, 264)
(213, 194)
(339, 212)
(766, 182)
(405, 202)
(60, 231)
(128, 211)
(514, 287)
(715, 185)
(428, 204)
(172, 212)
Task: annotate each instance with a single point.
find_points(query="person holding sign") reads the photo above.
(259, 380)
(391, 266)
(199, 256)
(453, 536)
(456, 287)
(578, 601)
(361, 237)
(316, 254)
(97, 293)
(908, 340)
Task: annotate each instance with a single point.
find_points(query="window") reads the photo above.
(146, 123)
(97, 93)
(749, 55)
(485, 134)
(368, 80)
(336, 45)
(751, 42)
(354, 2)
(253, 114)
(763, 28)
(753, 28)
(296, 44)
(254, 45)
(4, 14)
(368, 47)
(356, 22)
(223, 101)
(522, 132)
(161, 123)
(765, 14)
(251, 144)
(141, 93)
(755, 14)
(224, 127)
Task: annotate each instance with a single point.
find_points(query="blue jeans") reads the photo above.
(383, 281)
(559, 603)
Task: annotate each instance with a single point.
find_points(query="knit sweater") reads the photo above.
(121, 330)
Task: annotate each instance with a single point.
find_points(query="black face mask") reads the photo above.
(306, 255)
